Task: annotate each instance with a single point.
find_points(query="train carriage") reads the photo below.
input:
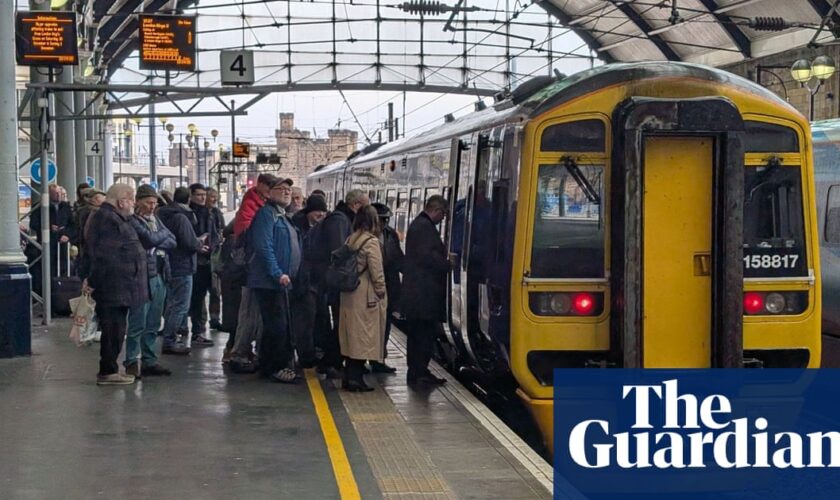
(632, 215)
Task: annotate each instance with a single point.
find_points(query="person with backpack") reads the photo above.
(363, 310)
(272, 268)
(333, 232)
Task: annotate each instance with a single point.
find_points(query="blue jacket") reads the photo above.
(270, 245)
(182, 260)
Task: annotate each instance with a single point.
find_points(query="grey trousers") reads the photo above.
(250, 325)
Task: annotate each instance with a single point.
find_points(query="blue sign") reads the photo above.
(90, 181)
(154, 184)
(35, 171)
(656, 434)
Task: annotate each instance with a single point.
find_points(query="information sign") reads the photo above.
(237, 67)
(46, 38)
(35, 171)
(93, 148)
(241, 150)
(167, 42)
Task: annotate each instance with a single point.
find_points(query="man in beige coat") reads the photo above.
(361, 326)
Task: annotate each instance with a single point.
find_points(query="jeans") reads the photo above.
(202, 282)
(112, 320)
(143, 325)
(179, 290)
(275, 351)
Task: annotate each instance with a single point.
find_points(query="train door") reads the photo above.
(677, 234)
(460, 180)
(677, 242)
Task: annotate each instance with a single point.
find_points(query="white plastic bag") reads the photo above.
(84, 319)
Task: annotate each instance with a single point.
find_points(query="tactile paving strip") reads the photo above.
(401, 467)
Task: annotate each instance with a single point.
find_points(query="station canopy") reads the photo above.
(469, 47)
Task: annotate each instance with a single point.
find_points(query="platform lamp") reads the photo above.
(170, 127)
(821, 68)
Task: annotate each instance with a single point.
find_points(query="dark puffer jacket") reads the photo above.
(118, 271)
(182, 260)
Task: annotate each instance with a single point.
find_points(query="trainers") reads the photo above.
(114, 379)
(176, 349)
(155, 371)
(202, 341)
(133, 370)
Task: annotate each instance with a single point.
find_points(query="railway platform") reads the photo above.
(204, 433)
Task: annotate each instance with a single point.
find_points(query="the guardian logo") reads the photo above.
(696, 434)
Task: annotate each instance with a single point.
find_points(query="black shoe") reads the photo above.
(202, 341)
(241, 366)
(365, 370)
(216, 325)
(357, 387)
(428, 379)
(176, 349)
(155, 371)
(377, 367)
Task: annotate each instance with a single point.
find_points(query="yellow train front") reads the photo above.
(666, 220)
(633, 215)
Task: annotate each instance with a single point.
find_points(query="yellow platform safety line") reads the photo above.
(347, 487)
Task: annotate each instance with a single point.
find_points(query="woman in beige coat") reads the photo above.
(361, 325)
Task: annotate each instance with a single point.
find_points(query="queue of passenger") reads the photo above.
(294, 284)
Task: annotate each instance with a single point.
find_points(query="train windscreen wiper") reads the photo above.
(574, 170)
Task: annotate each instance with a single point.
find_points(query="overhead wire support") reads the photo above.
(358, 123)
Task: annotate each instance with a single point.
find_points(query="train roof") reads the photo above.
(552, 92)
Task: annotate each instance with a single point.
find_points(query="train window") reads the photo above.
(568, 237)
(774, 235)
(416, 203)
(764, 137)
(372, 195)
(579, 136)
(401, 215)
(391, 199)
(832, 216)
(379, 196)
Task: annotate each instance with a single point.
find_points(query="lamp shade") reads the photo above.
(137, 120)
(171, 138)
(823, 67)
(801, 71)
(191, 127)
(214, 133)
(163, 120)
(170, 127)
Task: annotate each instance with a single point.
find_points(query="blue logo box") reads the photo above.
(722, 433)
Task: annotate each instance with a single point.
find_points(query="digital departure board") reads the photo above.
(241, 150)
(46, 38)
(167, 42)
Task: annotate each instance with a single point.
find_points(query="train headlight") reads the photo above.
(764, 303)
(774, 303)
(560, 303)
(566, 303)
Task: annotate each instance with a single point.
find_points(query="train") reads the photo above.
(826, 140)
(650, 214)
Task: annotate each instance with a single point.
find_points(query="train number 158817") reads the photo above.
(770, 261)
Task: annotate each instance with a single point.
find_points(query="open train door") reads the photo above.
(677, 233)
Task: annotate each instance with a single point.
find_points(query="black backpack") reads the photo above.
(342, 275)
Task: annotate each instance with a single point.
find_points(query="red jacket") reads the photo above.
(251, 203)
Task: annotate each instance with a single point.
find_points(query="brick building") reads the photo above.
(300, 152)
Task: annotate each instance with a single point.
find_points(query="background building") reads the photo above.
(300, 152)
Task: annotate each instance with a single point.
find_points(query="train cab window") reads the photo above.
(372, 195)
(391, 199)
(832, 216)
(774, 234)
(379, 196)
(764, 137)
(401, 212)
(568, 240)
(578, 136)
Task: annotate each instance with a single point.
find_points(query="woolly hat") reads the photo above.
(315, 203)
(145, 191)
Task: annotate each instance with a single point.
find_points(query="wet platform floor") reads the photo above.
(203, 433)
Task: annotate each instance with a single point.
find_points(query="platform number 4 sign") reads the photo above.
(237, 67)
(94, 148)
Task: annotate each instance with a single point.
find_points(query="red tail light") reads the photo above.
(753, 303)
(583, 303)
